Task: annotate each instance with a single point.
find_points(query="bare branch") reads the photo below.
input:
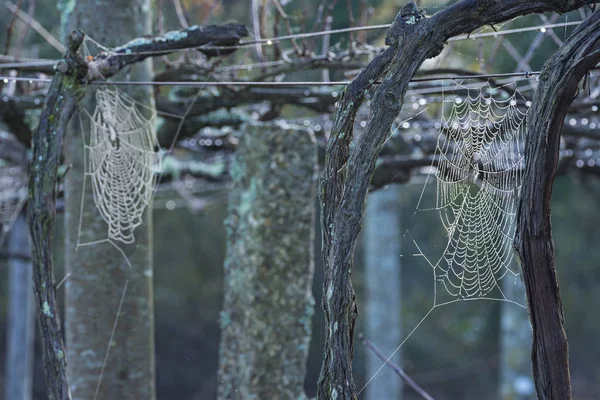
(396, 368)
(24, 29)
(106, 65)
(325, 48)
(180, 14)
(288, 26)
(9, 27)
(47, 36)
(256, 27)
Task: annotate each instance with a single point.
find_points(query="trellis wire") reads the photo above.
(272, 40)
(292, 83)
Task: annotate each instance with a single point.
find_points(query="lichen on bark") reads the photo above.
(268, 305)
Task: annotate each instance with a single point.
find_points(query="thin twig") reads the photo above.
(320, 22)
(396, 368)
(180, 14)
(24, 29)
(366, 13)
(47, 36)
(325, 48)
(63, 280)
(276, 45)
(254, 12)
(281, 12)
(212, 8)
(10, 27)
(350, 22)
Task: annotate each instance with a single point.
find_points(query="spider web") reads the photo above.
(478, 180)
(121, 162)
(123, 159)
(478, 165)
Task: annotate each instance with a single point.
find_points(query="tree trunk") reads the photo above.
(109, 318)
(46, 144)
(268, 305)
(21, 317)
(558, 86)
(383, 297)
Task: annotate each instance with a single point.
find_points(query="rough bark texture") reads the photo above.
(558, 86)
(319, 100)
(341, 311)
(383, 296)
(144, 47)
(347, 175)
(268, 306)
(47, 143)
(99, 274)
(21, 317)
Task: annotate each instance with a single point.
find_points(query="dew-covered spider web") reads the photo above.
(477, 170)
(121, 161)
(122, 157)
(478, 179)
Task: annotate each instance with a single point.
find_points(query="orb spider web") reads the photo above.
(478, 164)
(121, 161)
(123, 164)
(478, 179)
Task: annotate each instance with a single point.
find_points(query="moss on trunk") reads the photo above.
(266, 318)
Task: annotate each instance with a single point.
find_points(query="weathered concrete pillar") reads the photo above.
(268, 306)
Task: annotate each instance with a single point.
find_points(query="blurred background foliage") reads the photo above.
(453, 355)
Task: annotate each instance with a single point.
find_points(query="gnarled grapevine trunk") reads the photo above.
(557, 88)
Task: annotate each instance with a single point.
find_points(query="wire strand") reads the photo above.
(526, 74)
(272, 40)
(276, 39)
(258, 84)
